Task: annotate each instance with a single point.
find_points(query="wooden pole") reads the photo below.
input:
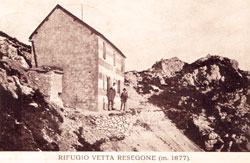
(82, 11)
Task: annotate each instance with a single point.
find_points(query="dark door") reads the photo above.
(108, 83)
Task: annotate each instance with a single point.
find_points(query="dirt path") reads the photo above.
(152, 131)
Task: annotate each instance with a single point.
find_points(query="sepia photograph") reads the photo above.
(125, 76)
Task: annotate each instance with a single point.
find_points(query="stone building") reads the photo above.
(88, 61)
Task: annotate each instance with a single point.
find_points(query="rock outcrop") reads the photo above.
(28, 122)
(208, 99)
(168, 67)
(11, 48)
(152, 80)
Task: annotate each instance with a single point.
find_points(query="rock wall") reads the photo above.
(113, 126)
(41, 80)
(48, 82)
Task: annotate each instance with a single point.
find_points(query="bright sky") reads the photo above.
(148, 30)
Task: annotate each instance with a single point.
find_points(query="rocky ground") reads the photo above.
(208, 99)
(30, 123)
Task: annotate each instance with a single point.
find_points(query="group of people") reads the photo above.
(111, 92)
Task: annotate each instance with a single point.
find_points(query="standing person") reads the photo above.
(124, 97)
(111, 96)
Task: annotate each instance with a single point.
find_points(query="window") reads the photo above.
(119, 87)
(123, 65)
(103, 81)
(114, 58)
(104, 50)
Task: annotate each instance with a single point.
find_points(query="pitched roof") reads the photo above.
(81, 22)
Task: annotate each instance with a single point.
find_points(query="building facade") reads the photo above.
(89, 62)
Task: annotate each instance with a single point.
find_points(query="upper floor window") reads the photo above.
(104, 50)
(114, 58)
(122, 65)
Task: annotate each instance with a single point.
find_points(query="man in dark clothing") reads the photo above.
(111, 96)
(124, 97)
